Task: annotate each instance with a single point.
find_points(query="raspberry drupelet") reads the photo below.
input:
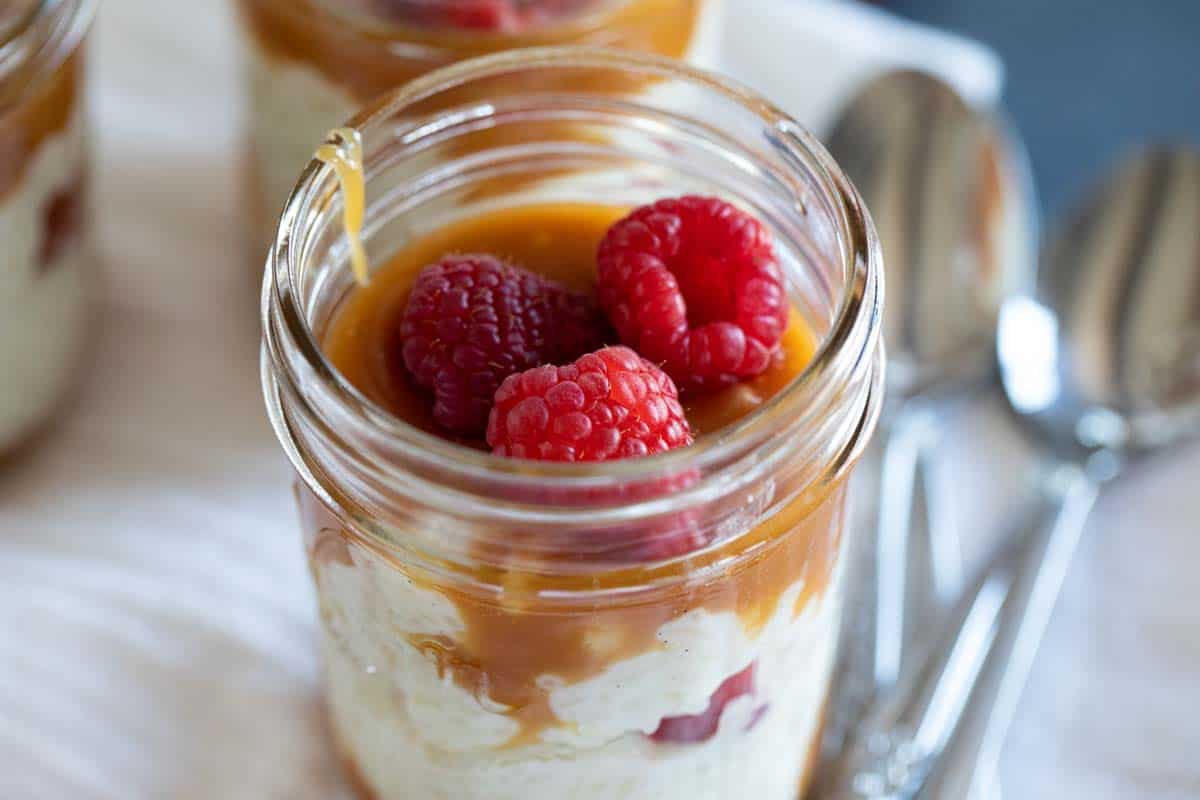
(693, 284)
(473, 320)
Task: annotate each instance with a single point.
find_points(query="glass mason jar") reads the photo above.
(43, 175)
(484, 632)
(313, 63)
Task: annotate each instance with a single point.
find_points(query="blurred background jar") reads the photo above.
(44, 275)
(312, 63)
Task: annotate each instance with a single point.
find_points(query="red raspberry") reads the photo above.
(482, 15)
(473, 320)
(703, 726)
(693, 284)
(607, 405)
(479, 15)
(493, 16)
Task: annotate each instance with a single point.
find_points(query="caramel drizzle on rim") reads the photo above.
(343, 152)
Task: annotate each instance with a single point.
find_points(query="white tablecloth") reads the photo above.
(156, 619)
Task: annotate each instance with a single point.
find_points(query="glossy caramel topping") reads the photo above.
(532, 627)
(558, 241)
(370, 61)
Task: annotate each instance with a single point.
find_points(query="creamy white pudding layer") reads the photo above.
(410, 731)
(43, 307)
(293, 105)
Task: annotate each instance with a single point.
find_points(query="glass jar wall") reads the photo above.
(498, 628)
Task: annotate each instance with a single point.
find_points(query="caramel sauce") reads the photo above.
(34, 119)
(532, 627)
(368, 62)
(343, 152)
(356, 779)
(558, 241)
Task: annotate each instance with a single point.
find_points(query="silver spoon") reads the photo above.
(897, 744)
(949, 191)
(1101, 365)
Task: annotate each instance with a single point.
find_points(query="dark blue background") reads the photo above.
(1088, 80)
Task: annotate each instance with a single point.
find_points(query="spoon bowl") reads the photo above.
(949, 189)
(1104, 355)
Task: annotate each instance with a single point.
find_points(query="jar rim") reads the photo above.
(38, 43)
(852, 342)
(21, 23)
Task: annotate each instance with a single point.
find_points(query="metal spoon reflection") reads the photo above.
(951, 197)
(1101, 366)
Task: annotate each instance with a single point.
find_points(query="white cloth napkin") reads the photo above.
(809, 56)
(156, 619)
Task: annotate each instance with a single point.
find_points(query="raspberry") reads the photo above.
(703, 726)
(693, 284)
(479, 15)
(504, 16)
(607, 405)
(473, 320)
(483, 15)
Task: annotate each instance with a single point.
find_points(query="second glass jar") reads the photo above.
(312, 63)
(45, 275)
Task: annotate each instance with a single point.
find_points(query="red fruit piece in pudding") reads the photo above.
(62, 220)
(502, 16)
(483, 15)
(607, 405)
(703, 726)
(480, 15)
(693, 284)
(473, 320)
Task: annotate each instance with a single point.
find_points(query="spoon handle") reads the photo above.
(905, 579)
(1047, 542)
(902, 737)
